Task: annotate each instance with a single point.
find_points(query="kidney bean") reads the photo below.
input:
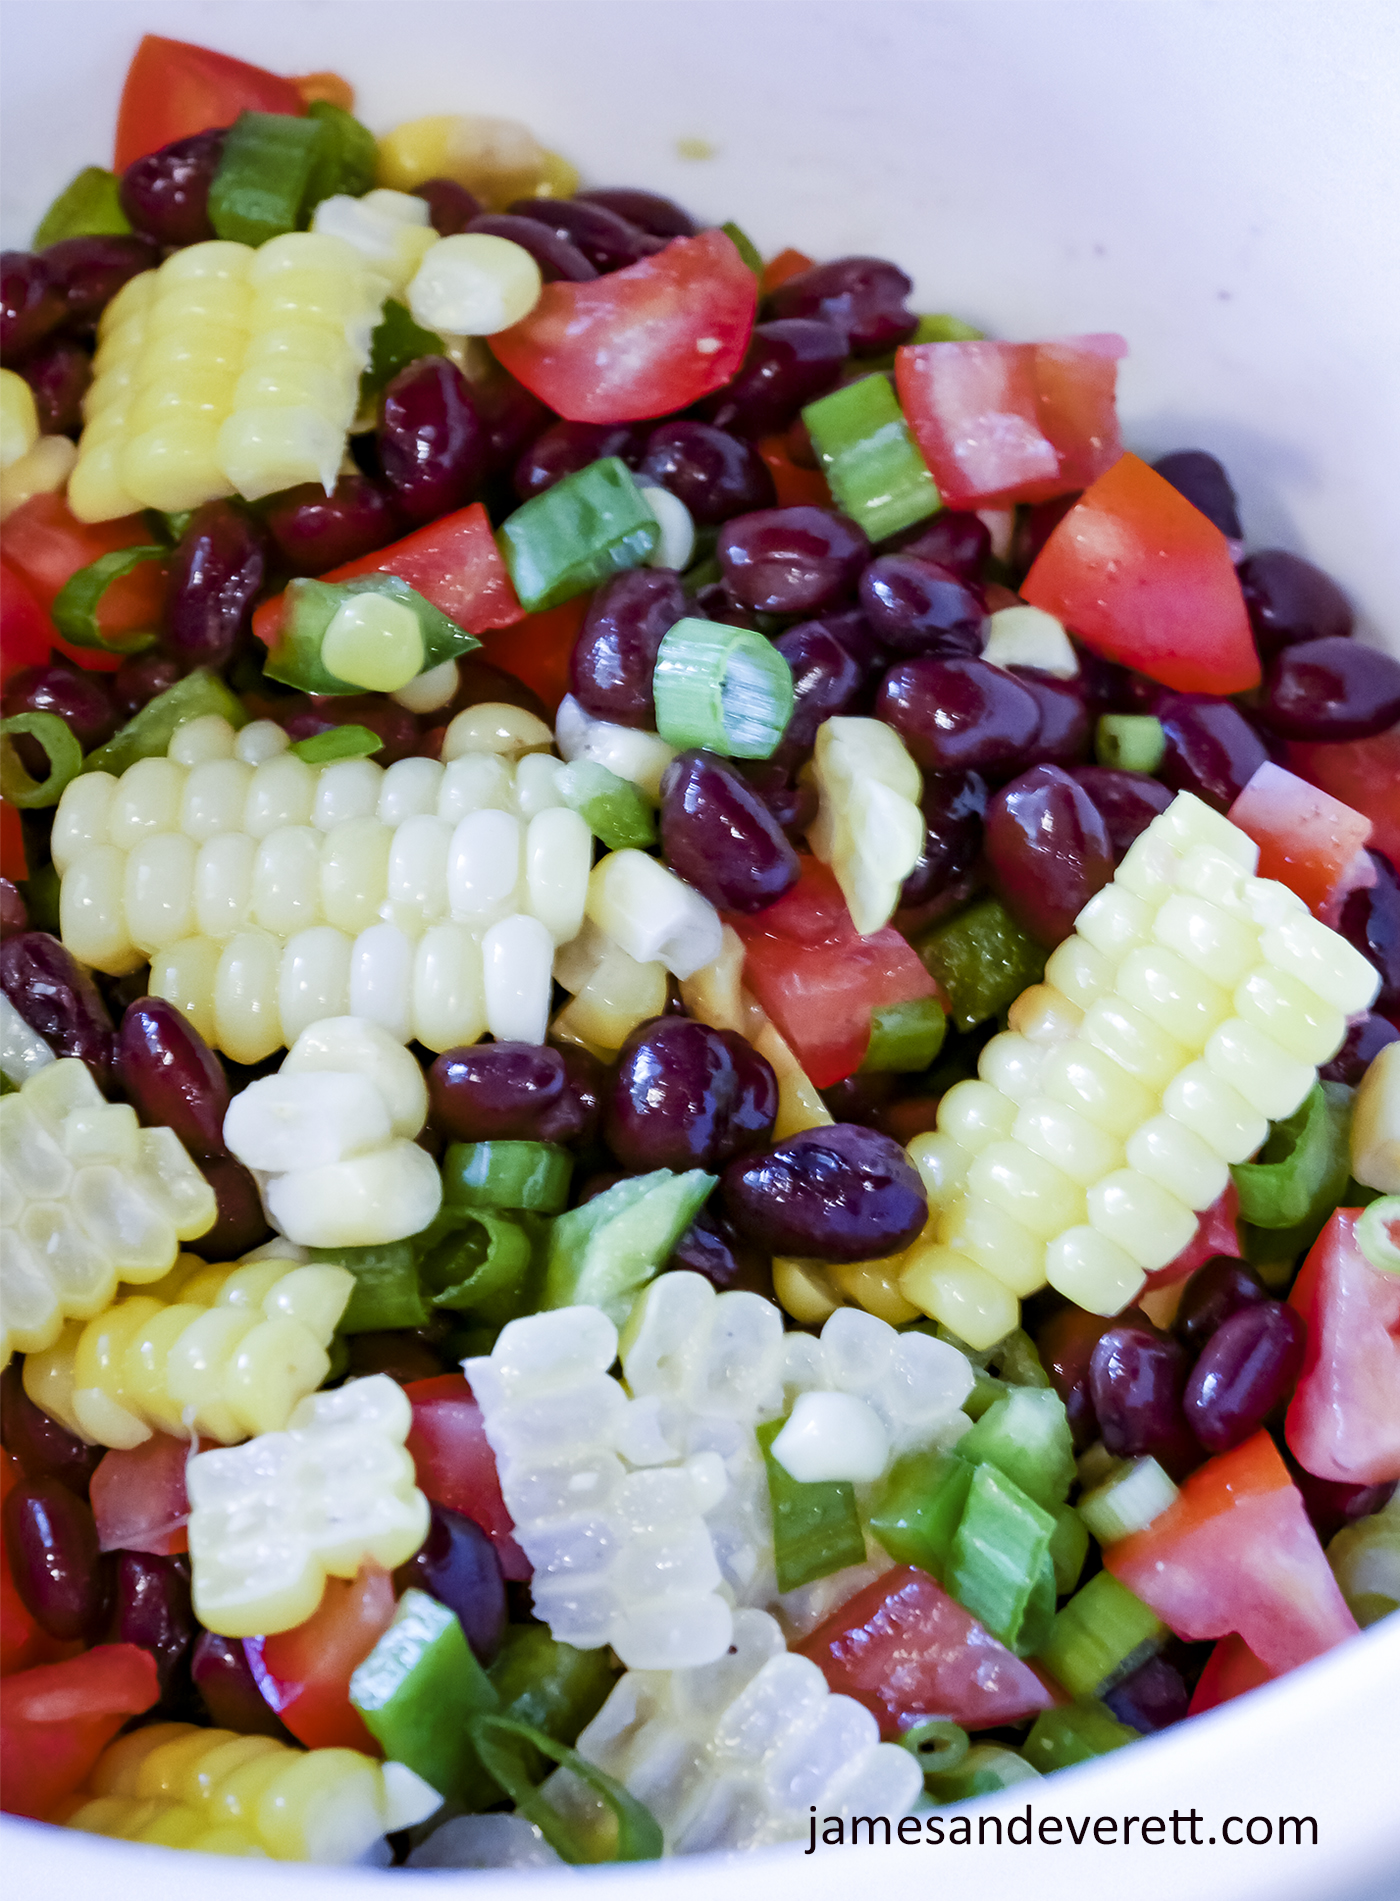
(216, 575)
(432, 444)
(720, 836)
(1289, 600)
(220, 1672)
(559, 261)
(715, 601)
(31, 305)
(315, 532)
(456, 1563)
(1152, 1698)
(58, 373)
(1213, 1294)
(716, 475)
(90, 271)
(1066, 731)
(1250, 1363)
(958, 715)
(954, 540)
(1371, 921)
(1034, 527)
(566, 447)
(789, 364)
(688, 1096)
(1212, 750)
(51, 1543)
(1332, 690)
(791, 560)
(1204, 483)
(849, 626)
(1330, 1504)
(143, 677)
(58, 998)
(608, 241)
(826, 680)
(79, 698)
(166, 193)
(172, 1076)
(151, 1607)
(648, 210)
(915, 607)
(1065, 1343)
(841, 1193)
(44, 1449)
(312, 713)
(863, 297)
(713, 1247)
(240, 1224)
(1136, 1376)
(1364, 1041)
(610, 670)
(451, 207)
(1127, 801)
(1049, 850)
(953, 805)
(516, 1092)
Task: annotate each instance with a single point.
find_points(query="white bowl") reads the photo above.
(1213, 180)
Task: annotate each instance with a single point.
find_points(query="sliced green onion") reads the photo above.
(168, 528)
(940, 328)
(337, 742)
(562, 543)
(1069, 1547)
(638, 1836)
(89, 207)
(1129, 1500)
(982, 960)
(533, 1175)
(1378, 1233)
(918, 1508)
(264, 174)
(999, 1550)
(1026, 1435)
(1303, 1166)
(148, 733)
(1101, 1636)
(746, 248)
(1060, 1738)
(1130, 742)
(725, 688)
(75, 605)
(480, 1264)
(816, 1527)
(346, 159)
(549, 1684)
(986, 1769)
(311, 607)
(604, 1253)
(905, 1037)
(64, 754)
(612, 808)
(417, 1692)
(871, 462)
(395, 342)
(936, 1746)
(386, 1293)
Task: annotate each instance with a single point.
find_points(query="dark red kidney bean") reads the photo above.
(716, 603)
(451, 207)
(151, 1608)
(826, 680)
(219, 1670)
(953, 805)
(1152, 1698)
(687, 1096)
(510, 1092)
(456, 1563)
(791, 560)
(480, 684)
(240, 1224)
(863, 297)
(1332, 689)
(849, 626)
(315, 532)
(31, 305)
(862, 1099)
(1034, 527)
(1212, 750)
(1049, 850)
(958, 715)
(1127, 801)
(172, 1077)
(714, 1248)
(566, 447)
(609, 242)
(14, 914)
(1250, 1363)
(404, 1356)
(1203, 481)
(789, 364)
(511, 416)
(166, 193)
(90, 271)
(312, 713)
(1136, 1376)
(77, 696)
(1330, 1505)
(792, 802)
(1066, 731)
(915, 607)
(718, 834)
(588, 1084)
(143, 677)
(842, 1193)
(648, 210)
(216, 575)
(559, 261)
(44, 1449)
(1371, 921)
(58, 373)
(432, 444)
(1109, 688)
(1214, 1293)
(714, 474)
(51, 1543)
(961, 543)
(58, 998)
(1065, 1343)
(1289, 600)
(1365, 1039)
(614, 657)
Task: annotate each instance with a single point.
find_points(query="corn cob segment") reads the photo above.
(87, 1198)
(868, 827)
(222, 1351)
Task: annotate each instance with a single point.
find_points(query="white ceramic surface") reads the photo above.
(1214, 178)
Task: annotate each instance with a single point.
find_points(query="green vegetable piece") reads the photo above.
(386, 1293)
(168, 528)
(396, 342)
(1303, 1166)
(746, 248)
(147, 734)
(550, 1685)
(418, 1690)
(264, 175)
(905, 1037)
(1016, 1359)
(346, 157)
(1365, 1560)
(1026, 1435)
(562, 543)
(88, 207)
(337, 742)
(479, 1263)
(75, 605)
(944, 329)
(533, 1175)
(816, 1527)
(612, 808)
(986, 1769)
(919, 1506)
(498, 1739)
(1060, 1738)
(60, 748)
(1069, 1547)
(986, 1391)
(1100, 1637)
(982, 959)
(40, 891)
(311, 606)
(1378, 1233)
(871, 462)
(1039, 1616)
(998, 1551)
(1130, 742)
(937, 1746)
(605, 1252)
(725, 688)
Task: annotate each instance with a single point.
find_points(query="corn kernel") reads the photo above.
(1204, 1102)
(1044, 1015)
(245, 997)
(1114, 921)
(874, 1285)
(1074, 1144)
(92, 914)
(1140, 1047)
(158, 895)
(1293, 1014)
(184, 975)
(1375, 1128)
(496, 159)
(1208, 937)
(1012, 1064)
(1078, 971)
(995, 1240)
(1269, 1079)
(942, 1164)
(1175, 1157)
(1032, 1190)
(449, 1004)
(1171, 994)
(965, 1298)
(973, 1113)
(19, 420)
(1147, 1221)
(1090, 1269)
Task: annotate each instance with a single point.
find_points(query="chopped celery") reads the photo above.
(1039, 1616)
(937, 1746)
(548, 1684)
(346, 159)
(746, 248)
(612, 808)
(871, 462)
(337, 742)
(478, 1262)
(268, 162)
(1100, 1637)
(75, 606)
(1026, 1435)
(999, 1551)
(592, 524)
(88, 207)
(1060, 1738)
(1302, 1167)
(386, 1292)
(905, 1037)
(395, 342)
(605, 1252)
(1130, 742)
(816, 1527)
(1128, 1500)
(1017, 1360)
(986, 1391)
(311, 606)
(498, 1741)
(525, 1175)
(148, 733)
(55, 740)
(918, 1506)
(982, 959)
(1069, 1547)
(986, 1769)
(726, 688)
(417, 1691)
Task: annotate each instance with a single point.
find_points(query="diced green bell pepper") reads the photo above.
(605, 1252)
(982, 959)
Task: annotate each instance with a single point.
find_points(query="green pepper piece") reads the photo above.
(478, 1262)
(147, 734)
(88, 207)
(386, 1293)
(905, 1037)
(1060, 1738)
(395, 342)
(1302, 1167)
(982, 959)
(572, 537)
(605, 1252)
(816, 1527)
(417, 1691)
(261, 184)
(919, 1506)
(346, 156)
(310, 606)
(550, 1685)
(871, 462)
(532, 1175)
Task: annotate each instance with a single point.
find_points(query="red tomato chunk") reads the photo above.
(58, 1718)
(456, 1466)
(1307, 839)
(305, 1673)
(174, 90)
(1344, 1419)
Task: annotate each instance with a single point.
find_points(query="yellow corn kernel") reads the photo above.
(267, 449)
(496, 159)
(1036, 1193)
(96, 488)
(1178, 1159)
(175, 465)
(799, 1105)
(1078, 971)
(19, 419)
(510, 731)
(43, 471)
(449, 997)
(805, 1290)
(1215, 1111)
(1173, 995)
(1292, 1014)
(1012, 1064)
(942, 1164)
(1210, 938)
(1090, 1269)
(1061, 1135)
(987, 1234)
(1269, 1079)
(1140, 1047)
(245, 997)
(874, 1285)
(131, 301)
(963, 1297)
(1044, 1015)
(1148, 1222)
(1114, 921)
(212, 349)
(92, 918)
(973, 1113)
(1375, 1127)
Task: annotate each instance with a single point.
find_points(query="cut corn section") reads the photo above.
(220, 1793)
(868, 827)
(87, 1198)
(226, 371)
(496, 159)
(1375, 1127)
(224, 1352)
(390, 230)
(1189, 1009)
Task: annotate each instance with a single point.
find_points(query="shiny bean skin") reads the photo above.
(610, 669)
(51, 1543)
(687, 1096)
(1034, 527)
(1204, 483)
(451, 207)
(718, 833)
(432, 443)
(863, 297)
(43, 1448)
(566, 447)
(315, 532)
(1330, 1504)
(716, 475)
(792, 802)
(648, 210)
(1049, 850)
(31, 305)
(1127, 801)
(510, 1092)
(609, 242)
(1136, 1376)
(1214, 1294)
(456, 1564)
(715, 601)
(312, 713)
(961, 543)
(1365, 1039)
(559, 261)
(791, 560)
(1212, 750)
(90, 271)
(959, 715)
(1289, 600)
(1152, 1698)
(1371, 921)
(151, 1608)
(58, 998)
(166, 193)
(216, 575)
(143, 677)
(511, 416)
(953, 805)
(219, 1670)
(79, 698)
(826, 681)
(240, 1224)
(915, 607)
(1250, 1363)
(172, 1077)
(1066, 1343)
(840, 1193)
(789, 364)
(58, 373)
(1331, 690)
(849, 626)
(714, 1248)
(1066, 731)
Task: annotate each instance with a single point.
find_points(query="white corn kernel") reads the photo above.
(634, 755)
(1210, 939)
(158, 892)
(558, 860)
(1092, 1270)
(355, 873)
(832, 1436)
(260, 739)
(1330, 967)
(1178, 1159)
(536, 783)
(409, 788)
(1012, 1064)
(1269, 1079)
(1189, 822)
(385, 1195)
(314, 978)
(654, 916)
(973, 1113)
(1139, 1046)
(381, 967)
(1203, 1102)
(198, 741)
(1061, 1135)
(281, 791)
(147, 800)
(1114, 921)
(1088, 1080)
(1044, 1015)
(223, 884)
(346, 789)
(449, 1003)
(416, 883)
(477, 782)
(484, 867)
(675, 546)
(1079, 971)
(1147, 1221)
(1024, 636)
(430, 690)
(184, 975)
(1033, 1191)
(517, 962)
(942, 1164)
(1173, 995)
(495, 727)
(1291, 1013)
(349, 1043)
(214, 797)
(19, 419)
(92, 915)
(306, 1120)
(475, 285)
(82, 818)
(965, 1298)
(245, 997)
(286, 880)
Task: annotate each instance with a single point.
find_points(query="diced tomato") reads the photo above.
(173, 90)
(1217, 1232)
(1344, 1418)
(786, 264)
(58, 1718)
(1307, 839)
(1234, 1551)
(904, 1649)
(1143, 578)
(26, 632)
(1366, 774)
(1012, 422)
(538, 649)
(819, 979)
(1231, 1669)
(456, 1466)
(14, 863)
(797, 487)
(643, 341)
(47, 545)
(138, 1497)
(305, 1673)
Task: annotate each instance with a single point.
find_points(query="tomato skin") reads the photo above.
(26, 632)
(59, 1717)
(46, 545)
(14, 862)
(305, 1673)
(1234, 1552)
(1216, 1233)
(626, 346)
(1231, 1669)
(786, 264)
(1363, 772)
(1343, 1421)
(537, 650)
(1143, 578)
(173, 89)
(138, 1497)
(456, 1466)
(1307, 839)
(910, 1654)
